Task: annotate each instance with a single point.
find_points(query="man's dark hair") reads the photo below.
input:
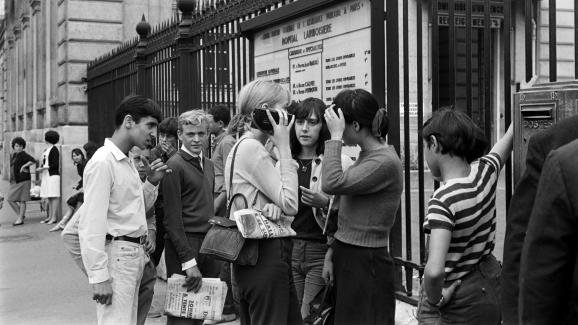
(456, 133)
(90, 148)
(304, 110)
(19, 141)
(220, 113)
(51, 137)
(169, 126)
(138, 107)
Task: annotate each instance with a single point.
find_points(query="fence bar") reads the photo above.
(552, 43)
(406, 149)
(575, 39)
(469, 57)
(392, 39)
(507, 88)
(487, 107)
(528, 39)
(435, 92)
(452, 52)
(420, 164)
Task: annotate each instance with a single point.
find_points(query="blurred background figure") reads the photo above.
(20, 164)
(50, 177)
(76, 199)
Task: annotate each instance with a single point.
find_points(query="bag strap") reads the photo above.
(230, 197)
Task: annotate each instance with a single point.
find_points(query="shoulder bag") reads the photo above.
(224, 241)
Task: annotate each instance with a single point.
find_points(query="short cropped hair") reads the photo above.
(19, 141)
(456, 133)
(169, 126)
(220, 113)
(193, 117)
(51, 137)
(138, 107)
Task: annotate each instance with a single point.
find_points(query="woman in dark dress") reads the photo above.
(20, 161)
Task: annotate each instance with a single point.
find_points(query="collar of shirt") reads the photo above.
(116, 152)
(199, 157)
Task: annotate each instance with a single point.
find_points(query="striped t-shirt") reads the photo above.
(466, 207)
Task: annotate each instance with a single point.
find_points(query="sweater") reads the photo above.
(370, 193)
(256, 177)
(188, 201)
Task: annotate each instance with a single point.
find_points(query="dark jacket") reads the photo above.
(188, 201)
(520, 209)
(548, 272)
(17, 161)
(53, 161)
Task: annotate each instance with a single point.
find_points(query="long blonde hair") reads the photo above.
(258, 92)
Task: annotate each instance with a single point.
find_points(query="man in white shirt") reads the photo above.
(113, 231)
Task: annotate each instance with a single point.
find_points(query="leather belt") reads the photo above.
(137, 240)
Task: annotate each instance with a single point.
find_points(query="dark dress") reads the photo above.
(19, 182)
(78, 197)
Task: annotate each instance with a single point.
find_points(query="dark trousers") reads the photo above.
(476, 300)
(364, 285)
(160, 239)
(225, 275)
(209, 268)
(266, 291)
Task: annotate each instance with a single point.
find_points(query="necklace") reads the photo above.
(304, 167)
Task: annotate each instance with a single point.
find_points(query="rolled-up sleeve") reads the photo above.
(92, 227)
(150, 193)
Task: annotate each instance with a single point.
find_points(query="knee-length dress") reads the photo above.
(50, 178)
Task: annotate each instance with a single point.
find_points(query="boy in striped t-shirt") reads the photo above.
(461, 275)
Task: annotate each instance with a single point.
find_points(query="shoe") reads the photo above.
(56, 228)
(51, 222)
(226, 318)
(16, 223)
(45, 220)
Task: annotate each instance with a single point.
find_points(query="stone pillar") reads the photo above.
(37, 60)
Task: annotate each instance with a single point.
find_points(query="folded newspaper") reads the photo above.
(208, 303)
(252, 224)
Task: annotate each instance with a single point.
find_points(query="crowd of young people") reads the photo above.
(161, 196)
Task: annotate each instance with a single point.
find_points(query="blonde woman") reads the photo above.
(266, 292)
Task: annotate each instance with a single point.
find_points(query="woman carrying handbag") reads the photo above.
(266, 291)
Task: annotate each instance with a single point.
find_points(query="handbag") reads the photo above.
(223, 241)
(322, 308)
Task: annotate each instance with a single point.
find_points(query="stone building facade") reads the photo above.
(45, 46)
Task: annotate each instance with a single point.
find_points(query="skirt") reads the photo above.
(49, 185)
(19, 192)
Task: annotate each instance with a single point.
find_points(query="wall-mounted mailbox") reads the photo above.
(536, 109)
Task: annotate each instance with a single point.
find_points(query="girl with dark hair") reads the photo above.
(307, 140)
(461, 282)
(20, 162)
(77, 199)
(358, 262)
(50, 176)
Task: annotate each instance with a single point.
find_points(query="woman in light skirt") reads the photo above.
(50, 177)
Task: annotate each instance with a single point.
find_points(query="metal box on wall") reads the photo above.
(536, 109)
